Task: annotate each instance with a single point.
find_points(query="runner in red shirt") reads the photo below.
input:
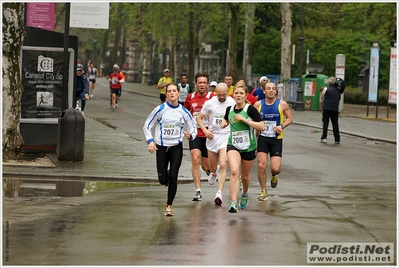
(198, 150)
(116, 80)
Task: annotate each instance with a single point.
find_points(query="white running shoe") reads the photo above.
(91, 96)
(218, 199)
(212, 178)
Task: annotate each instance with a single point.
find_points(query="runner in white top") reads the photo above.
(217, 137)
(184, 88)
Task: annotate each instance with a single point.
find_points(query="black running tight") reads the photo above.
(172, 157)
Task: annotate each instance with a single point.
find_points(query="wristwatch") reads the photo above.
(282, 126)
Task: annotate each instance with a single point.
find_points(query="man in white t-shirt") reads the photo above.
(217, 137)
(184, 88)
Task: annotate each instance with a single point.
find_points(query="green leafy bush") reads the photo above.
(356, 96)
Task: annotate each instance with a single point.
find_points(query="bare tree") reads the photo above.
(286, 27)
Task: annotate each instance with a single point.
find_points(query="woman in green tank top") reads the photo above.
(243, 119)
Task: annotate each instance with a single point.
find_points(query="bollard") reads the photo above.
(70, 136)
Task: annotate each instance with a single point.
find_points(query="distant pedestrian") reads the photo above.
(163, 83)
(243, 119)
(169, 119)
(82, 87)
(259, 93)
(184, 88)
(276, 116)
(119, 92)
(213, 85)
(217, 137)
(92, 73)
(199, 153)
(102, 67)
(332, 96)
(116, 79)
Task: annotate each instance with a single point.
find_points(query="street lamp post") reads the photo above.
(299, 106)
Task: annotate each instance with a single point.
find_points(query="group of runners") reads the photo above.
(222, 128)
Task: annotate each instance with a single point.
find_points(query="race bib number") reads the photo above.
(269, 129)
(217, 120)
(183, 95)
(171, 132)
(240, 139)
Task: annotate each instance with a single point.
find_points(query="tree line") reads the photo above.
(329, 29)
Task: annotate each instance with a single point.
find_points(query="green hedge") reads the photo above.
(355, 96)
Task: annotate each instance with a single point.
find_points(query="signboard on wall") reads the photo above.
(40, 15)
(89, 15)
(42, 79)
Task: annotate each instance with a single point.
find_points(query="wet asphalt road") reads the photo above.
(126, 226)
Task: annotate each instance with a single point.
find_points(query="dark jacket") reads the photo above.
(331, 99)
(82, 84)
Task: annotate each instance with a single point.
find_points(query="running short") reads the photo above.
(115, 91)
(92, 80)
(248, 156)
(273, 147)
(219, 141)
(200, 144)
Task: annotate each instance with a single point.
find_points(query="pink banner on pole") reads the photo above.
(40, 15)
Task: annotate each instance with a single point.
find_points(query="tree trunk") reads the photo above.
(13, 35)
(249, 30)
(233, 40)
(286, 26)
(193, 43)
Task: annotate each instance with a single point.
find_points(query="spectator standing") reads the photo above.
(243, 119)
(276, 116)
(169, 118)
(184, 88)
(259, 93)
(163, 83)
(332, 96)
(199, 154)
(217, 137)
(92, 73)
(82, 87)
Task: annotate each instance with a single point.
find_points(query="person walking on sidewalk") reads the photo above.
(163, 83)
(332, 96)
(217, 137)
(116, 79)
(169, 118)
(243, 119)
(198, 150)
(92, 73)
(184, 88)
(82, 87)
(276, 116)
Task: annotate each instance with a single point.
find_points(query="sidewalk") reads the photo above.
(103, 163)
